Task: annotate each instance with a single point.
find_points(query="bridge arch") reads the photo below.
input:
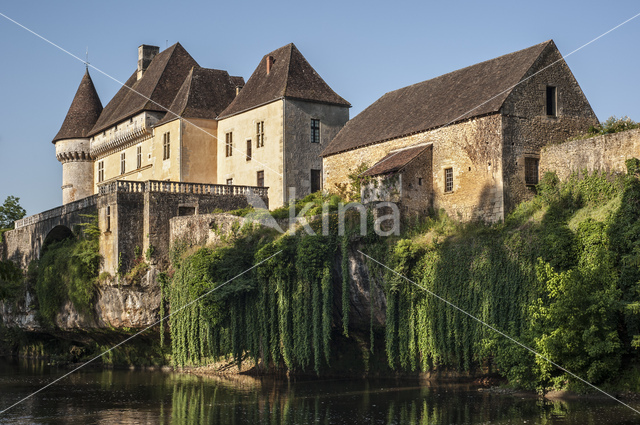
(56, 234)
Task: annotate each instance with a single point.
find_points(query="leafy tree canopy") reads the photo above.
(10, 211)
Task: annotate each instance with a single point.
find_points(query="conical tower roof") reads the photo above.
(83, 112)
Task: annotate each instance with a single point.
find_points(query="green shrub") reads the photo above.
(67, 271)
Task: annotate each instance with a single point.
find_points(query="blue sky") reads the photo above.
(361, 49)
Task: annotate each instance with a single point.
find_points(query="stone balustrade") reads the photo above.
(126, 186)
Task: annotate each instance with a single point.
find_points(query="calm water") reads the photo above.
(143, 397)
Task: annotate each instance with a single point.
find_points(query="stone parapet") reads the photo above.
(58, 211)
(601, 153)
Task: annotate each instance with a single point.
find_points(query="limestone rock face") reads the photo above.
(127, 304)
(366, 293)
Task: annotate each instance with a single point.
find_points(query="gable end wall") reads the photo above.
(526, 126)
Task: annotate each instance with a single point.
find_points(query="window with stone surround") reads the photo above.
(552, 101)
(315, 131)
(531, 171)
(123, 167)
(139, 157)
(448, 180)
(259, 134)
(260, 179)
(316, 180)
(100, 171)
(249, 150)
(228, 144)
(166, 146)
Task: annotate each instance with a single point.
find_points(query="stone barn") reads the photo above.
(474, 135)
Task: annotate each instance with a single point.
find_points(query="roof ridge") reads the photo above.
(288, 73)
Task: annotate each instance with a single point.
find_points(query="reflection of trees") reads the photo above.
(240, 400)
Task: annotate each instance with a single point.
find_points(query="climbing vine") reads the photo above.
(279, 314)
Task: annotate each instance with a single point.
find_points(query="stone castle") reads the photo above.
(179, 139)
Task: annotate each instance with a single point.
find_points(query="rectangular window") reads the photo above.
(229, 144)
(260, 182)
(229, 182)
(249, 150)
(122, 163)
(259, 134)
(531, 170)
(166, 146)
(448, 180)
(316, 180)
(552, 101)
(315, 131)
(100, 171)
(139, 157)
(108, 219)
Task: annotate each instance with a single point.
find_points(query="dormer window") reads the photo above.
(552, 101)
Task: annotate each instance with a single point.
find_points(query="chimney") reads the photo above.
(238, 88)
(145, 56)
(270, 62)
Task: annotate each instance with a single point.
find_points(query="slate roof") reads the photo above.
(203, 94)
(291, 76)
(473, 91)
(395, 160)
(160, 83)
(83, 112)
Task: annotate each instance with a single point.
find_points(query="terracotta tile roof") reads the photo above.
(395, 160)
(290, 76)
(83, 112)
(203, 94)
(160, 83)
(474, 91)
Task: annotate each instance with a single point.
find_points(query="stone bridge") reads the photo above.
(31, 234)
(133, 217)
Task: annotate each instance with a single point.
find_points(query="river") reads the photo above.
(105, 396)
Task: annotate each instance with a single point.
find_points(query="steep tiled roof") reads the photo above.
(204, 94)
(395, 161)
(83, 112)
(469, 92)
(160, 83)
(290, 76)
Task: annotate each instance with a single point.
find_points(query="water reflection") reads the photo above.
(124, 396)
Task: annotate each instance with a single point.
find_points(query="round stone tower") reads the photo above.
(72, 142)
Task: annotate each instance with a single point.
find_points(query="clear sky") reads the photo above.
(362, 49)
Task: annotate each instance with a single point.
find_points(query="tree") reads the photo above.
(10, 211)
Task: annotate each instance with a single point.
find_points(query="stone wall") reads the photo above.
(472, 149)
(417, 187)
(526, 125)
(160, 208)
(301, 155)
(267, 158)
(201, 230)
(603, 153)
